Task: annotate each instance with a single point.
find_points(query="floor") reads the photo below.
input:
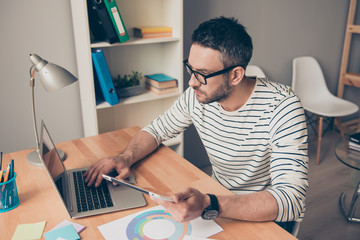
(327, 181)
(323, 220)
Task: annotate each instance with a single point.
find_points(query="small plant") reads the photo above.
(128, 80)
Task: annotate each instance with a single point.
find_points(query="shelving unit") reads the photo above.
(147, 56)
(349, 78)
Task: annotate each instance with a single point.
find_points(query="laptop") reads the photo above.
(78, 199)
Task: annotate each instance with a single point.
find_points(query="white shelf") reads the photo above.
(135, 41)
(145, 97)
(152, 55)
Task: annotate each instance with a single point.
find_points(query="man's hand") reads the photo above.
(187, 205)
(105, 165)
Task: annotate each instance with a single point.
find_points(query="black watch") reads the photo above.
(212, 211)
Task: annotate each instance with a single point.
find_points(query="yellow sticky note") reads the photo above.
(29, 231)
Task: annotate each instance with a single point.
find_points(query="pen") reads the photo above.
(1, 155)
(1, 172)
(6, 175)
(11, 174)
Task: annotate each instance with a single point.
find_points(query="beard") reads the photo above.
(221, 93)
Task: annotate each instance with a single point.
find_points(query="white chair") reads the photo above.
(254, 71)
(309, 84)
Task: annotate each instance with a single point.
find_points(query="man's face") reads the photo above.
(207, 61)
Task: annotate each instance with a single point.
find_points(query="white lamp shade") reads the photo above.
(52, 76)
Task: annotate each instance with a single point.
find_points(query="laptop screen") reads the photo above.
(49, 154)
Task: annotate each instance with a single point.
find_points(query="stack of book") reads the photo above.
(354, 141)
(152, 32)
(161, 84)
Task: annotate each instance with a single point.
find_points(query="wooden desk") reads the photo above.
(39, 201)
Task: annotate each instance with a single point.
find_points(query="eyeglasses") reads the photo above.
(203, 78)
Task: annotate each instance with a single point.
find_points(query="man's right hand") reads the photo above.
(104, 166)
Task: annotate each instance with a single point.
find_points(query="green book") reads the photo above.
(160, 77)
(116, 19)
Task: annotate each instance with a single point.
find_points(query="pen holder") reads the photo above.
(9, 198)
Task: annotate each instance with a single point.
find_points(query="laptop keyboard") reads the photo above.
(90, 198)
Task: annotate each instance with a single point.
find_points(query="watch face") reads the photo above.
(210, 215)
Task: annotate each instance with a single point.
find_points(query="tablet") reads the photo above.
(148, 191)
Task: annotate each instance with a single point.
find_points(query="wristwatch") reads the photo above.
(212, 211)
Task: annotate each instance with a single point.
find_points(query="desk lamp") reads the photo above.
(52, 77)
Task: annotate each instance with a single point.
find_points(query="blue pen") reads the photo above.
(1, 155)
(11, 169)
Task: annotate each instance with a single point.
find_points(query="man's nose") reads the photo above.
(193, 81)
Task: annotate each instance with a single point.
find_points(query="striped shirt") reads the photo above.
(261, 146)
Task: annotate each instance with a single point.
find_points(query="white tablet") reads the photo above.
(148, 191)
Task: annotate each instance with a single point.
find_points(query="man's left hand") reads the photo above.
(187, 205)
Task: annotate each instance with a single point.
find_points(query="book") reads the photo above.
(160, 80)
(354, 146)
(152, 32)
(355, 138)
(161, 91)
(101, 27)
(103, 78)
(116, 19)
(160, 77)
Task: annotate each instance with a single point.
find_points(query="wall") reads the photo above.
(43, 27)
(281, 30)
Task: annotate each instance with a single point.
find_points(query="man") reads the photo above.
(253, 130)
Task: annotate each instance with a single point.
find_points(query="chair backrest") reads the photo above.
(308, 80)
(254, 71)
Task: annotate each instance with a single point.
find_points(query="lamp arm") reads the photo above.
(32, 85)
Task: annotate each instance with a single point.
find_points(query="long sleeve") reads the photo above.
(289, 159)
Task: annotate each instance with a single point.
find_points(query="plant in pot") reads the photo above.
(128, 85)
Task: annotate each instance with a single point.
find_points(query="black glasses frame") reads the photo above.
(191, 72)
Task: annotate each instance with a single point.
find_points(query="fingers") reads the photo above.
(171, 207)
(184, 195)
(163, 203)
(123, 172)
(94, 174)
(187, 205)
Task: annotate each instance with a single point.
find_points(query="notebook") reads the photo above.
(78, 199)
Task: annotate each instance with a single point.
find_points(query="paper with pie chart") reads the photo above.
(154, 224)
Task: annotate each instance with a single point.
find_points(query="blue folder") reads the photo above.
(103, 78)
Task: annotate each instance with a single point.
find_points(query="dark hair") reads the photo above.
(227, 36)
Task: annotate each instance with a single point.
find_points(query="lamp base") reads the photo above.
(34, 159)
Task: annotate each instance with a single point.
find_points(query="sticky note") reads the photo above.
(78, 227)
(29, 231)
(68, 232)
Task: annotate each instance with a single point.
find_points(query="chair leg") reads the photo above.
(321, 119)
(339, 126)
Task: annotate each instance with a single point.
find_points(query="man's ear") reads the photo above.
(238, 74)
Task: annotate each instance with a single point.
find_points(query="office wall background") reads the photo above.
(43, 27)
(281, 30)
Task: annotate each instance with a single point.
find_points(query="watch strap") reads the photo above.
(212, 211)
(214, 204)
